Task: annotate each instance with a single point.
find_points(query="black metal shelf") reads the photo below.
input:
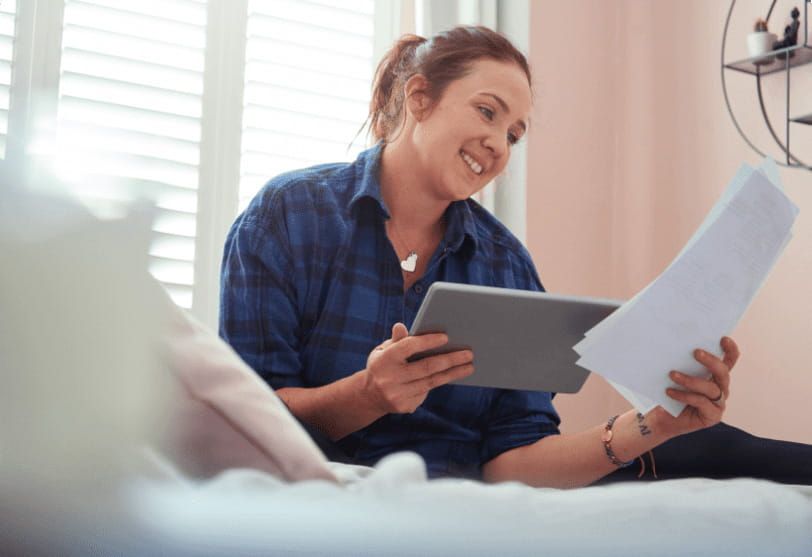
(776, 61)
(781, 60)
(804, 120)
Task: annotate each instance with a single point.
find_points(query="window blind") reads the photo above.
(129, 117)
(8, 10)
(309, 67)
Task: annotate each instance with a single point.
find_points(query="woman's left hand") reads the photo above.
(705, 398)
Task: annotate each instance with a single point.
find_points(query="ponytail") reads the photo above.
(393, 71)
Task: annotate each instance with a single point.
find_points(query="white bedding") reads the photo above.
(394, 510)
(84, 386)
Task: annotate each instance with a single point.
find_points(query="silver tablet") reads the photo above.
(520, 339)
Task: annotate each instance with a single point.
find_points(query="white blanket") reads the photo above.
(395, 510)
(83, 386)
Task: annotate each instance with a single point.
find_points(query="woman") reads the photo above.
(326, 261)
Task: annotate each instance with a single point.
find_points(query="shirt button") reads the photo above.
(418, 288)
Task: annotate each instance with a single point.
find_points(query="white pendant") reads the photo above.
(410, 263)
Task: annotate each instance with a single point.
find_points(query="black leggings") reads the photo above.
(722, 452)
(718, 452)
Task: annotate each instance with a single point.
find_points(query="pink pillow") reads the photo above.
(225, 416)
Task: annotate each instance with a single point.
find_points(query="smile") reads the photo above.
(475, 167)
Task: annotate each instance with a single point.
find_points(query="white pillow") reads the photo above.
(80, 379)
(225, 416)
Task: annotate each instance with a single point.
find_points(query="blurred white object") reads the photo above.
(395, 511)
(80, 371)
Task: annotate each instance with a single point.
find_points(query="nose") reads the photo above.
(496, 144)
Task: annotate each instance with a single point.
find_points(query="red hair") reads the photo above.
(445, 57)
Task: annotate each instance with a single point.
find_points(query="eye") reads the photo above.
(487, 112)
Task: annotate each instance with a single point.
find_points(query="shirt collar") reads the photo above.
(368, 185)
(459, 216)
(460, 225)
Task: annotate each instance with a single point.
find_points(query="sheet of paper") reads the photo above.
(699, 298)
(741, 176)
(641, 403)
(767, 167)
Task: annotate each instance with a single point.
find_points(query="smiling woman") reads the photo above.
(327, 267)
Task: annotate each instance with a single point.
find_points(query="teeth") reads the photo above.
(475, 166)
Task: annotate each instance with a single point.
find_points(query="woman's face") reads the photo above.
(464, 140)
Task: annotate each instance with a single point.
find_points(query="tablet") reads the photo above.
(520, 339)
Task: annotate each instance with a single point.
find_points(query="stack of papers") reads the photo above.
(699, 298)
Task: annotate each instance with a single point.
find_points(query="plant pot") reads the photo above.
(759, 43)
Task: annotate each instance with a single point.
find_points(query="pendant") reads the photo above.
(410, 263)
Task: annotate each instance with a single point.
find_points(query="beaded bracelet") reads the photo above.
(607, 444)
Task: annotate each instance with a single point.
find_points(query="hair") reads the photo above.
(442, 59)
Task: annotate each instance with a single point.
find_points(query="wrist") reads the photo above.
(634, 434)
(366, 398)
(607, 437)
(660, 423)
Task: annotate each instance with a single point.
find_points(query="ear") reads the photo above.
(417, 100)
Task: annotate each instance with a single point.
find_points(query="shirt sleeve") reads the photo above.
(259, 314)
(519, 418)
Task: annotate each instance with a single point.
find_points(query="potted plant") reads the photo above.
(760, 42)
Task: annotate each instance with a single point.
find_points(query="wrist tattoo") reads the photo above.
(644, 430)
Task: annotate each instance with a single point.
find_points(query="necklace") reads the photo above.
(410, 263)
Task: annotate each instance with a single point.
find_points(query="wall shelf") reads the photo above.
(781, 61)
(804, 120)
(775, 62)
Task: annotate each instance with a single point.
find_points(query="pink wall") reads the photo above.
(630, 146)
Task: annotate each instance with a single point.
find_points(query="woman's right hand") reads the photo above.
(395, 385)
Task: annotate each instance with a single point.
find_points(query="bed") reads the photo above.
(395, 511)
(127, 428)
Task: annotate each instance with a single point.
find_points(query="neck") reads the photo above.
(407, 194)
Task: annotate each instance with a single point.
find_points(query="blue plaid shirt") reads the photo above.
(311, 284)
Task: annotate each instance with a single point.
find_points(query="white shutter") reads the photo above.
(129, 117)
(309, 67)
(8, 9)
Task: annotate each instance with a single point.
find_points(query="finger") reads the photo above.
(718, 369)
(709, 410)
(399, 332)
(732, 352)
(435, 364)
(442, 378)
(384, 345)
(699, 385)
(415, 344)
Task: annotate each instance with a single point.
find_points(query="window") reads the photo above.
(129, 117)
(308, 76)
(142, 98)
(7, 12)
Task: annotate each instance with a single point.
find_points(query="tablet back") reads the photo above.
(520, 339)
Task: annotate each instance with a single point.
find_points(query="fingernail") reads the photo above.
(675, 375)
(699, 353)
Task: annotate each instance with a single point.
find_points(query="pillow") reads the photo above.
(224, 416)
(79, 323)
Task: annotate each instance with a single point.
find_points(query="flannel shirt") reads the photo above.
(311, 284)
